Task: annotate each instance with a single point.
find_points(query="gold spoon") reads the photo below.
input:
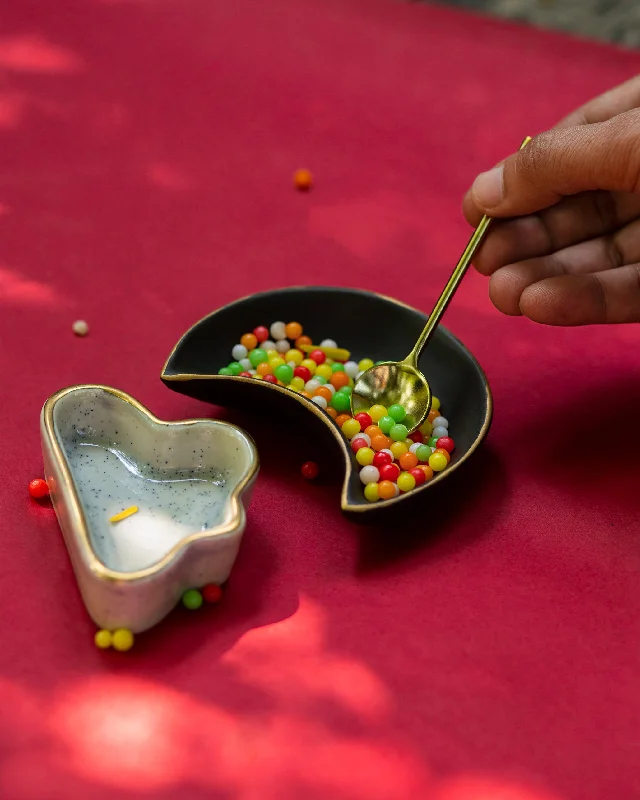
(401, 382)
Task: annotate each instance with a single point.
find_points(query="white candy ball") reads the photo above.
(414, 447)
(440, 431)
(282, 346)
(277, 330)
(245, 364)
(397, 489)
(331, 388)
(239, 352)
(268, 345)
(440, 422)
(320, 401)
(312, 385)
(80, 327)
(328, 343)
(364, 436)
(369, 474)
(351, 368)
(292, 364)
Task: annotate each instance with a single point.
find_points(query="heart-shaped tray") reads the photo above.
(188, 481)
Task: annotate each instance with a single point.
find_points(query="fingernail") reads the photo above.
(488, 188)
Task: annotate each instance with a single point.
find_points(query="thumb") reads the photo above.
(561, 162)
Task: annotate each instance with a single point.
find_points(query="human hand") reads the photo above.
(567, 249)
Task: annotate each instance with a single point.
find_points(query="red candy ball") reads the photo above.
(310, 470)
(357, 443)
(419, 475)
(364, 419)
(382, 459)
(261, 333)
(446, 443)
(270, 379)
(302, 372)
(245, 375)
(318, 356)
(38, 488)
(416, 437)
(212, 593)
(389, 472)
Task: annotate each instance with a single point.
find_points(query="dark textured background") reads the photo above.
(608, 20)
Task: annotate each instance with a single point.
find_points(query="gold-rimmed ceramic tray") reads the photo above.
(368, 325)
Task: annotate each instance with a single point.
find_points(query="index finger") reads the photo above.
(616, 101)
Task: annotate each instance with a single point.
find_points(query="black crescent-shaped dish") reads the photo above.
(369, 326)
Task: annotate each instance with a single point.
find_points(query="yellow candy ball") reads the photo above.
(310, 364)
(406, 482)
(294, 355)
(297, 383)
(350, 427)
(377, 412)
(399, 449)
(103, 639)
(364, 456)
(435, 404)
(366, 363)
(437, 462)
(426, 429)
(324, 371)
(371, 489)
(122, 639)
(276, 362)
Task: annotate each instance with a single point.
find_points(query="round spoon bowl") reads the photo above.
(394, 384)
(368, 325)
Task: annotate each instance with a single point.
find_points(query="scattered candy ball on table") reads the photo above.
(212, 593)
(80, 327)
(122, 640)
(38, 488)
(192, 599)
(391, 460)
(302, 180)
(103, 639)
(310, 470)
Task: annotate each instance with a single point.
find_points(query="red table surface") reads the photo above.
(489, 653)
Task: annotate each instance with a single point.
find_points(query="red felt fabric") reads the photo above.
(490, 653)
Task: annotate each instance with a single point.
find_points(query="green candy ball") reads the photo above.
(346, 390)
(225, 371)
(235, 368)
(341, 402)
(337, 367)
(397, 413)
(321, 379)
(284, 373)
(192, 599)
(432, 442)
(423, 452)
(385, 424)
(258, 356)
(398, 433)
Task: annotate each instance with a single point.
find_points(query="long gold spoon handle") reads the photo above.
(452, 284)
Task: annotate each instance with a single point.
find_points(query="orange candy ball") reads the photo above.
(322, 391)
(428, 472)
(386, 490)
(408, 461)
(249, 341)
(380, 442)
(303, 341)
(339, 379)
(331, 411)
(373, 430)
(303, 180)
(264, 369)
(293, 330)
(342, 418)
(432, 415)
